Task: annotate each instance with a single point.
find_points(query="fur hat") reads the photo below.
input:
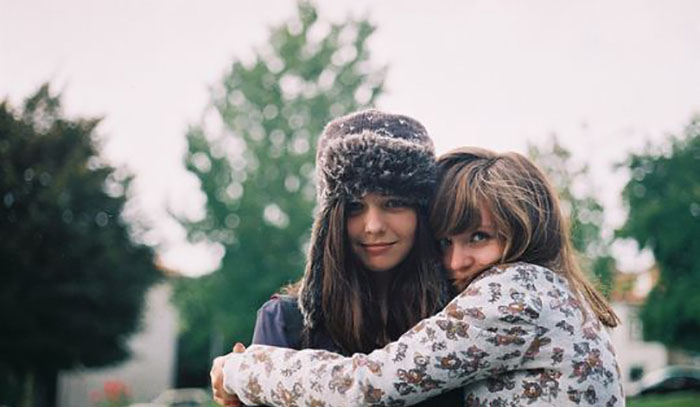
(367, 151)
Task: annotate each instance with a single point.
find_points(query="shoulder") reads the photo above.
(279, 307)
(279, 322)
(526, 278)
(513, 292)
(530, 292)
(270, 316)
(276, 302)
(520, 274)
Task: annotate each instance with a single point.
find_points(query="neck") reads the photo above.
(381, 281)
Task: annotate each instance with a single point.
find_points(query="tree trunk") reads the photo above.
(39, 388)
(48, 379)
(27, 397)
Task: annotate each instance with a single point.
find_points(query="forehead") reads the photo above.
(466, 215)
(485, 215)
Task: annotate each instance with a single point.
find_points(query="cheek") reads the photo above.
(353, 226)
(410, 227)
(447, 258)
(404, 224)
(491, 254)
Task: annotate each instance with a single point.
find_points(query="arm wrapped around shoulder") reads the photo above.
(488, 329)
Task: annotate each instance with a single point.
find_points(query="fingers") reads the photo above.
(220, 396)
(238, 348)
(233, 402)
(228, 401)
(216, 376)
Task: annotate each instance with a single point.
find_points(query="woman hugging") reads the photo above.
(374, 326)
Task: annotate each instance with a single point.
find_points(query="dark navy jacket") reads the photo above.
(279, 323)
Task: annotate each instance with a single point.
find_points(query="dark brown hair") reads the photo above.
(525, 209)
(351, 315)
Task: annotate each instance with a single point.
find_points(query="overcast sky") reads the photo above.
(605, 76)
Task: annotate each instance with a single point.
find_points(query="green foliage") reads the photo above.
(257, 168)
(680, 399)
(72, 282)
(584, 210)
(663, 198)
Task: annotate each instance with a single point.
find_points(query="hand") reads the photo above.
(216, 374)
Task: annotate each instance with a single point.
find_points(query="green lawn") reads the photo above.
(671, 400)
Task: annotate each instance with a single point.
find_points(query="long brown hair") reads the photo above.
(351, 314)
(524, 207)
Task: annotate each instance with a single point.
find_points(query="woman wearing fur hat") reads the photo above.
(527, 328)
(372, 270)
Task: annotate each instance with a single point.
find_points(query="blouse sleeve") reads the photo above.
(489, 328)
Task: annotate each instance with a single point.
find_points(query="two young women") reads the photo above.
(528, 330)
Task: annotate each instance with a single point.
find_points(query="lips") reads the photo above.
(374, 249)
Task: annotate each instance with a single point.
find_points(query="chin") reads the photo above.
(379, 269)
(460, 286)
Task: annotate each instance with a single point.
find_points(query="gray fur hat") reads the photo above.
(363, 152)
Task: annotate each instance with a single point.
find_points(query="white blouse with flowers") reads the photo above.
(517, 336)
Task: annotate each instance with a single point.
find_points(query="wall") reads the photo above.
(631, 350)
(151, 368)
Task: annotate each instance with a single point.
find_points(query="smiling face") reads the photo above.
(468, 253)
(381, 230)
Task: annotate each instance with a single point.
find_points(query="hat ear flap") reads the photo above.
(310, 294)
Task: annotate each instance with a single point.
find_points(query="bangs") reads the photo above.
(457, 204)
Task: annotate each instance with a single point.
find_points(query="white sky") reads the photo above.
(606, 76)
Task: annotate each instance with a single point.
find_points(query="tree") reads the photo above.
(663, 201)
(584, 210)
(73, 281)
(257, 171)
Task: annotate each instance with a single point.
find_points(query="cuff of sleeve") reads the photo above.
(231, 367)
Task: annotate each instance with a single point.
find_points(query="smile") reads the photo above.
(377, 248)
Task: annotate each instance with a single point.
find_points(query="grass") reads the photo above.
(668, 400)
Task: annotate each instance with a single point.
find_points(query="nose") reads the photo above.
(458, 258)
(374, 220)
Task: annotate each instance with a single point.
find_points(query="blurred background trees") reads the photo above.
(584, 209)
(73, 281)
(72, 278)
(253, 155)
(663, 200)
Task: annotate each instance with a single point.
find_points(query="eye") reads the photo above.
(394, 203)
(354, 207)
(444, 243)
(480, 236)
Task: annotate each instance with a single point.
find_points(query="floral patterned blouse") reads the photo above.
(517, 336)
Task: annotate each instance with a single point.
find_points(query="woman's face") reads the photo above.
(467, 254)
(381, 230)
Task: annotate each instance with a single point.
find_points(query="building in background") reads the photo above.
(635, 356)
(149, 371)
